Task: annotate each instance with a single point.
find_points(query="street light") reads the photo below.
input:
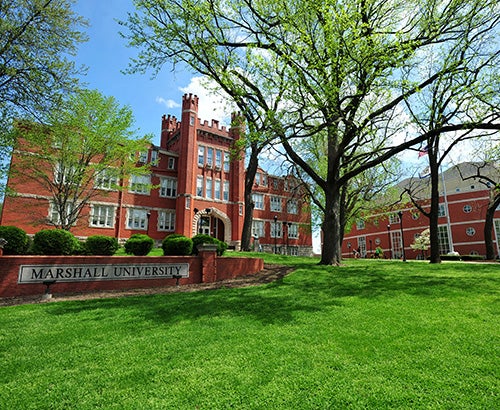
(275, 234)
(400, 213)
(285, 232)
(148, 215)
(389, 240)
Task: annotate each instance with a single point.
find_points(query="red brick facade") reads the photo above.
(198, 187)
(461, 225)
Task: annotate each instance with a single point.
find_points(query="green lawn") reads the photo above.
(368, 335)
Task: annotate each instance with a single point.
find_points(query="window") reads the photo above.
(139, 184)
(258, 229)
(275, 184)
(209, 188)
(201, 155)
(143, 157)
(226, 191)
(188, 202)
(210, 156)
(470, 231)
(393, 218)
(191, 120)
(360, 224)
(276, 229)
(293, 231)
(64, 174)
(258, 200)
(467, 209)
(154, 157)
(102, 216)
(441, 210)
(166, 220)
(443, 240)
(217, 189)
(264, 179)
(218, 158)
(292, 206)
(415, 215)
(397, 245)
(275, 204)
(137, 219)
(171, 163)
(199, 186)
(55, 216)
(168, 187)
(106, 179)
(257, 178)
(226, 161)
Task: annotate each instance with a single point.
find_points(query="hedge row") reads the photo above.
(62, 242)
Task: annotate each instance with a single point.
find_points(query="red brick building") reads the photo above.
(197, 185)
(461, 223)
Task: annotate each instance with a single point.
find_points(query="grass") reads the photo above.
(368, 335)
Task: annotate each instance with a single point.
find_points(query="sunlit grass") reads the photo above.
(367, 335)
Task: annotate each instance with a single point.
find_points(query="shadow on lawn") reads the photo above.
(310, 289)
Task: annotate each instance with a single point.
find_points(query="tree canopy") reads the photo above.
(88, 143)
(352, 71)
(37, 38)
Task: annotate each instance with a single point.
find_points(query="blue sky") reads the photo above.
(106, 55)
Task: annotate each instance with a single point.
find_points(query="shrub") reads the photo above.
(54, 242)
(203, 238)
(18, 242)
(139, 244)
(101, 245)
(177, 244)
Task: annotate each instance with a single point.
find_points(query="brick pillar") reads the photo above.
(208, 255)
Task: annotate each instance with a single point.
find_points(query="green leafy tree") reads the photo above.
(87, 143)
(345, 69)
(37, 38)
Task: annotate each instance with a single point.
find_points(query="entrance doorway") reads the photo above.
(211, 225)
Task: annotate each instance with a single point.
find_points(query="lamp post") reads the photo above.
(389, 240)
(400, 213)
(148, 215)
(349, 247)
(371, 248)
(285, 232)
(275, 234)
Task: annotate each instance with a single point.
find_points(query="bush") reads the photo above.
(54, 242)
(203, 238)
(18, 242)
(178, 245)
(139, 244)
(101, 245)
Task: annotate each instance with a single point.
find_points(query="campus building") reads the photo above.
(196, 185)
(462, 212)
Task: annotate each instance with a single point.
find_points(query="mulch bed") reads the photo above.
(270, 273)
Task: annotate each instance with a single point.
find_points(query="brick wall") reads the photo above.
(206, 267)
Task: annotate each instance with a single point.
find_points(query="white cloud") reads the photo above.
(167, 103)
(214, 104)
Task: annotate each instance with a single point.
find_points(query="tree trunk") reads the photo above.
(488, 228)
(434, 212)
(331, 253)
(246, 234)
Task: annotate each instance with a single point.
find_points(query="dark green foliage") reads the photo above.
(17, 240)
(54, 242)
(177, 245)
(202, 238)
(139, 245)
(101, 245)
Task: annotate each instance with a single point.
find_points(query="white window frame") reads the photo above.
(258, 228)
(217, 191)
(225, 191)
(199, 186)
(201, 155)
(292, 206)
(218, 158)
(166, 220)
(106, 179)
(276, 203)
(171, 163)
(258, 200)
(168, 187)
(210, 156)
(102, 216)
(137, 218)
(227, 159)
(276, 229)
(55, 216)
(209, 188)
(293, 231)
(140, 184)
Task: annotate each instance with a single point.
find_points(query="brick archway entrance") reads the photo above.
(213, 222)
